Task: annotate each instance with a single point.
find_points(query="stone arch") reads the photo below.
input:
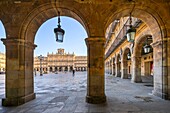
(124, 54)
(136, 57)
(38, 16)
(139, 44)
(156, 19)
(149, 16)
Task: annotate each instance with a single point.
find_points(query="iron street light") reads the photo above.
(129, 56)
(132, 31)
(59, 32)
(41, 58)
(147, 47)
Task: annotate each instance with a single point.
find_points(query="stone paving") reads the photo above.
(64, 93)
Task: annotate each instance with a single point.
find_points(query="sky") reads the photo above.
(45, 37)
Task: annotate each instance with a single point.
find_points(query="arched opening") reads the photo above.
(59, 56)
(126, 64)
(66, 69)
(118, 66)
(147, 57)
(2, 59)
(145, 53)
(110, 65)
(2, 49)
(157, 28)
(113, 67)
(56, 69)
(71, 68)
(51, 69)
(27, 36)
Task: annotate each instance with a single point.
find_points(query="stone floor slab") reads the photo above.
(63, 93)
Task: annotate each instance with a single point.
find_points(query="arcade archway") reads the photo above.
(159, 33)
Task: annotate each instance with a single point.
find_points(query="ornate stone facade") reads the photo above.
(61, 62)
(2, 62)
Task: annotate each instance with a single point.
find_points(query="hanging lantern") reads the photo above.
(119, 59)
(59, 32)
(147, 48)
(128, 56)
(131, 33)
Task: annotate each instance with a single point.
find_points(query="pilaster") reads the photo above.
(118, 73)
(124, 74)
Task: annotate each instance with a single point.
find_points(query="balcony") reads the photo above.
(121, 37)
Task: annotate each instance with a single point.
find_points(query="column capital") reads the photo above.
(160, 42)
(22, 42)
(93, 40)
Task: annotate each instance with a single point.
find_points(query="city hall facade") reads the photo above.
(61, 62)
(2, 62)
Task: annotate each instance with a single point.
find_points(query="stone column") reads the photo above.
(161, 68)
(48, 69)
(106, 67)
(68, 69)
(112, 67)
(124, 72)
(19, 81)
(117, 69)
(136, 69)
(95, 77)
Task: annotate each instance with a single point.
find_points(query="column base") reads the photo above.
(124, 77)
(118, 74)
(136, 80)
(160, 94)
(96, 99)
(17, 101)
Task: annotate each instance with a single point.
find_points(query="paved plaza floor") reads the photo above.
(65, 93)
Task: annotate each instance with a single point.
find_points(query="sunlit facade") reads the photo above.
(120, 53)
(2, 62)
(61, 62)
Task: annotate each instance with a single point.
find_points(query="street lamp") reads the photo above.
(59, 32)
(41, 58)
(132, 31)
(147, 47)
(129, 56)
